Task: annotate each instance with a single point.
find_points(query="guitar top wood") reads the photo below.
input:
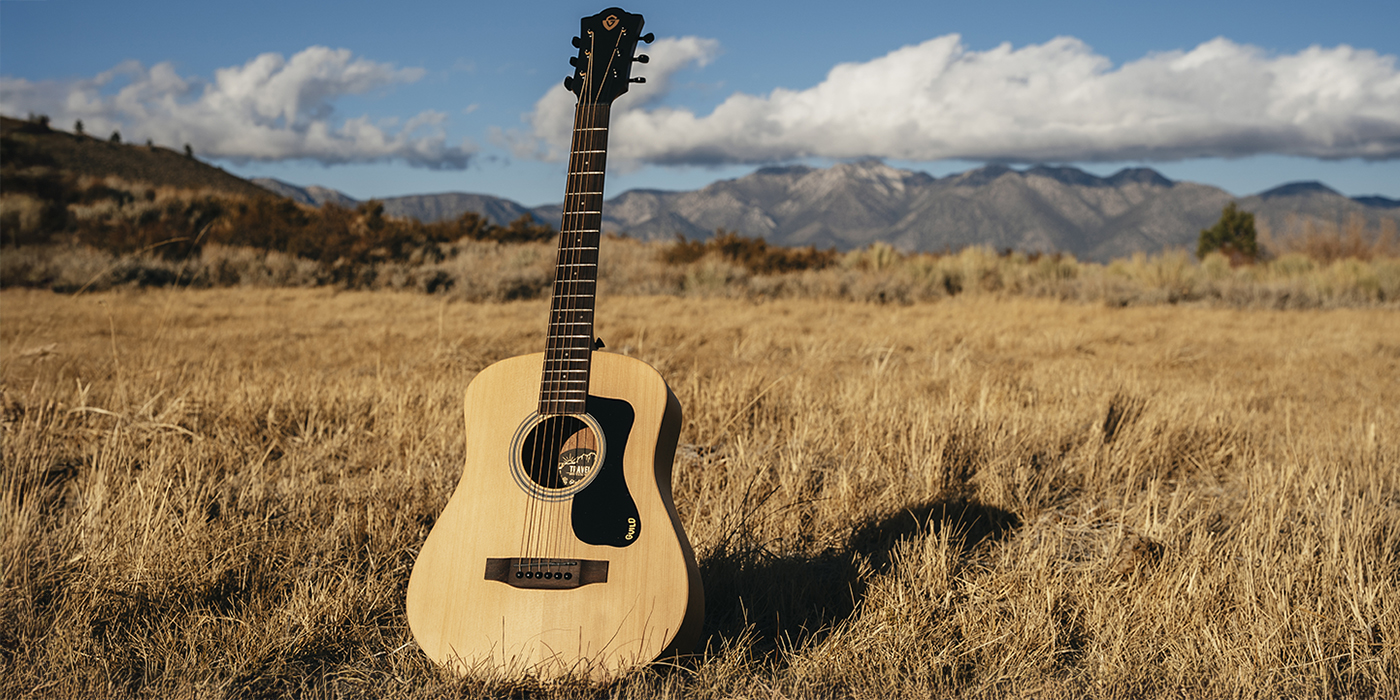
(651, 603)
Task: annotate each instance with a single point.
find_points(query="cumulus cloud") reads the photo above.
(270, 108)
(552, 120)
(1057, 101)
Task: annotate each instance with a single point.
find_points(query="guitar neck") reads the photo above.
(569, 348)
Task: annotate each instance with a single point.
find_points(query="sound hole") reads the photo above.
(559, 452)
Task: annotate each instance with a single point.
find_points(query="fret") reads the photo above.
(569, 346)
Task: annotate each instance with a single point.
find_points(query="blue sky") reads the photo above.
(380, 99)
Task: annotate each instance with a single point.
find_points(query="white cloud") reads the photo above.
(1057, 101)
(270, 108)
(552, 121)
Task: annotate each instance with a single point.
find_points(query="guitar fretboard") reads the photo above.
(569, 349)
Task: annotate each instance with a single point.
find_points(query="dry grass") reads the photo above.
(470, 270)
(1328, 242)
(220, 493)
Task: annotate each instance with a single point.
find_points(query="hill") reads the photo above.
(444, 206)
(313, 195)
(28, 144)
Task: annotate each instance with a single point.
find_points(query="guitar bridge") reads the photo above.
(527, 572)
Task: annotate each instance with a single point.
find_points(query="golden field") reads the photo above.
(220, 493)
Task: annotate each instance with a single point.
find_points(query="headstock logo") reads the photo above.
(610, 22)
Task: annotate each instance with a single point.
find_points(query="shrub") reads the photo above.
(753, 254)
(1233, 235)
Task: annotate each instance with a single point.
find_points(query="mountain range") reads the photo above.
(851, 205)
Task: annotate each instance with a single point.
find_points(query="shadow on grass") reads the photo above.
(785, 599)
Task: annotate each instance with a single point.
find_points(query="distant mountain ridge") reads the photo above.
(850, 205)
(315, 195)
(424, 207)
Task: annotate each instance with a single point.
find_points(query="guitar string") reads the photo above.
(565, 304)
(569, 307)
(588, 165)
(561, 313)
(538, 468)
(546, 526)
(581, 186)
(591, 182)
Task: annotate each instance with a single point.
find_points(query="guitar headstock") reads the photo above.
(603, 66)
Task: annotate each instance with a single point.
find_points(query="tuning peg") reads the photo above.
(642, 58)
(648, 37)
(637, 80)
(573, 61)
(569, 83)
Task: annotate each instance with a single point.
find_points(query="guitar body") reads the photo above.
(473, 618)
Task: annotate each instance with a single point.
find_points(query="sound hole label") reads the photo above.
(576, 463)
(557, 456)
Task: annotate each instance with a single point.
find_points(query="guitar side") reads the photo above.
(651, 603)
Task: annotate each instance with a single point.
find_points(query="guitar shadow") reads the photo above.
(782, 600)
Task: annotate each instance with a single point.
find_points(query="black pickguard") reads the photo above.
(604, 513)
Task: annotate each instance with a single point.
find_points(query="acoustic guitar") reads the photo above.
(560, 552)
